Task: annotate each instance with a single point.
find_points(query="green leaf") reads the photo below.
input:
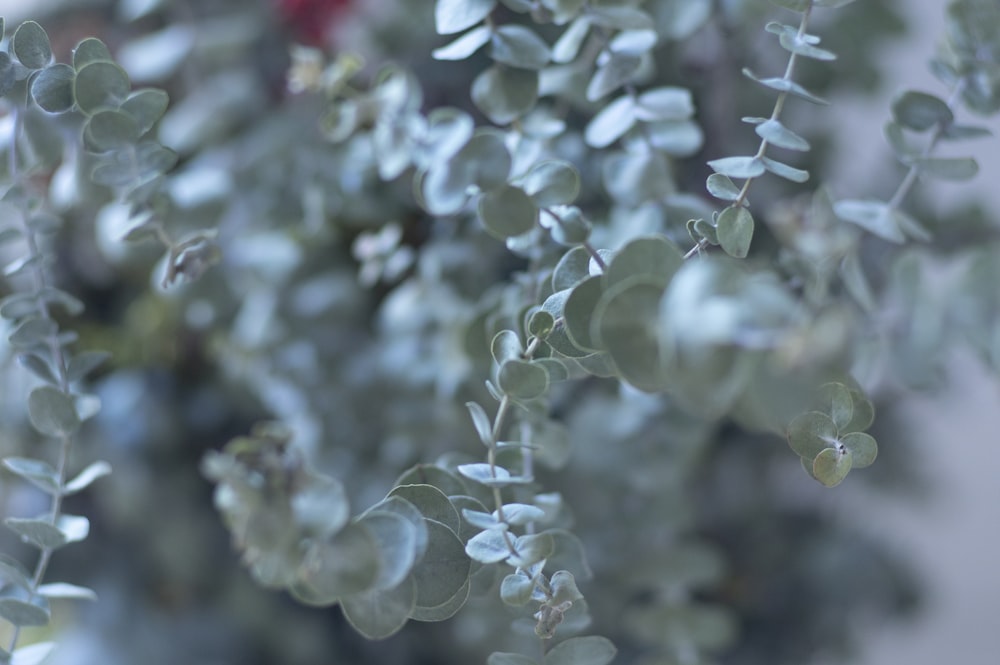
(784, 170)
(346, 564)
(25, 611)
(786, 85)
(38, 366)
(618, 70)
(506, 346)
(481, 422)
(837, 400)
(507, 212)
(502, 658)
(520, 514)
(484, 474)
(522, 380)
(33, 333)
(564, 587)
(789, 39)
(541, 324)
(676, 138)
(530, 549)
(625, 322)
(100, 85)
(572, 269)
(488, 547)
(735, 231)
(431, 502)
(948, 168)
(520, 47)
(146, 106)
(516, 589)
(588, 650)
(920, 111)
(428, 474)
(110, 130)
(504, 94)
(451, 16)
(44, 535)
(864, 413)
(380, 614)
(482, 520)
(396, 543)
(86, 477)
(611, 122)
(721, 187)
(53, 412)
(652, 257)
(620, 17)
(579, 310)
(871, 215)
(38, 473)
(567, 47)
(831, 466)
(955, 132)
(664, 103)
(445, 610)
(738, 167)
(52, 89)
(443, 571)
(551, 183)
(464, 46)
(14, 572)
(862, 447)
(31, 45)
(811, 433)
(777, 134)
(67, 591)
(88, 51)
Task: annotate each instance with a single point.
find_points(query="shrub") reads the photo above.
(510, 363)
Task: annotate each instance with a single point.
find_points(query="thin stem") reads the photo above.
(911, 176)
(779, 105)
(40, 283)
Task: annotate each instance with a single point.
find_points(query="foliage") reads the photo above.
(499, 350)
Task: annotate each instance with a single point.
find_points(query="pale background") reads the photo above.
(953, 535)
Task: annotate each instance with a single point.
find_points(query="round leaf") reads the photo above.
(520, 47)
(90, 50)
(504, 94)
(507, 212)
(52, 89)
(431, 503)
(100, 85)
(920, 111)
(831, 466)
(551, 183)
(810, 433)
(53, 412)
(579, 310)
(626, 324)
(611, 123)
(31, 45)
(443, 571)
(396, 543)
(862, 447)
(110, 130)
(735, 231)
(344, 565)
(379, 614)
(522, 380)
(451, 16)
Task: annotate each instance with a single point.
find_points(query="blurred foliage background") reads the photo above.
(344, 311)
